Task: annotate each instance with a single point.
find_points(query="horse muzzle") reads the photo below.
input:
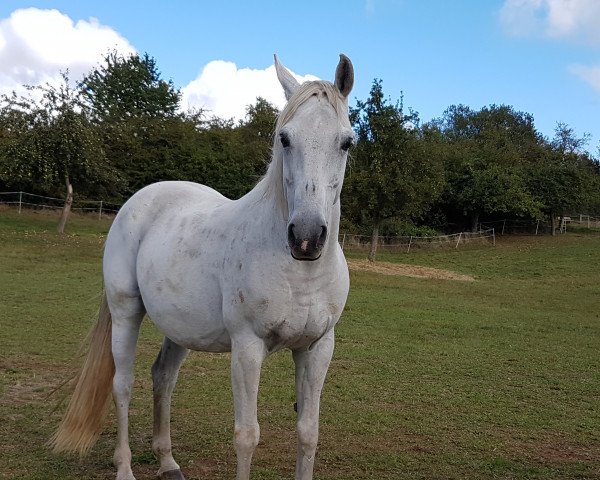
(306, 239)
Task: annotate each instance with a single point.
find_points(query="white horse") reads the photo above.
(250, 276)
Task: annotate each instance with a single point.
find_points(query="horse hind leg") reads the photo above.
(127, 316)
(164, 377)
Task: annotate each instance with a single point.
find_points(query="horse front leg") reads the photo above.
(164, 377)
(311, 369)
(247, 355)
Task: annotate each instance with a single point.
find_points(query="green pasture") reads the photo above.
(498, 378)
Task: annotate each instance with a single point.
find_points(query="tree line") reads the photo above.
(120, 128)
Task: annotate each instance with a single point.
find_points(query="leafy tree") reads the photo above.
(125, 87)
(254, 140)
(485, 155)
(49, 141)
(390, 176)
(232, 157)
(137, 113)
(565, 177)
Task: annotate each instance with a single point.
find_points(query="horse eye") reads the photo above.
(347, 143)
(285, 140)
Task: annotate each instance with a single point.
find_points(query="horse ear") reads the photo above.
(344, 76)
(288, 82)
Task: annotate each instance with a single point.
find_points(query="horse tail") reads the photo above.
(82, 422)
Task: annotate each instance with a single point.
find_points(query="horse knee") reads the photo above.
(308, 436)
(246, 438)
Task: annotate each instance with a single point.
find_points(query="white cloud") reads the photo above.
(577, 20)
(568, 20)
(226, 90)
(590, 75)
(36, 45)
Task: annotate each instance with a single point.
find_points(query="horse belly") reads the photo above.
(193, 321)
(183, 299)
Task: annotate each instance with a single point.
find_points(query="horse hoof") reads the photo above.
(172, 475)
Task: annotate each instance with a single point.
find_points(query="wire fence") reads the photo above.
(514, 226)
(486, 234)
(22, 200)
(408, 243)
(581, 220)
(539, 227)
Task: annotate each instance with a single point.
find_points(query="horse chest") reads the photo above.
(289, 318)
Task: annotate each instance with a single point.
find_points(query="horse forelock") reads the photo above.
(306, 91)
(272, 183)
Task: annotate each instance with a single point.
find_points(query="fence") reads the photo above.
(583, 220)
(533, 227)
(30, 200)
(398, 244)
(523, 227)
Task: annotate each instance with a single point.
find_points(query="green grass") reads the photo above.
(431, 379)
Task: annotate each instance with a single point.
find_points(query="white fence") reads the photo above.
(30, 200)
(583, 220)
(395, 244)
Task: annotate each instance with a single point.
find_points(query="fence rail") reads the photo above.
(583, 220)
(396, 244)
(536, 227)
(31, 200)
(486, 234)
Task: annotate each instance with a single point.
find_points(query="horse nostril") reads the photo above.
(323, 236)
(291, 236)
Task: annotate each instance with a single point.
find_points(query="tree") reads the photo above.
(232, 157)
(564, 177)
(485, 155)
(389, 175)
(49, 141)
(127, 87)
(254, 141)
(137, 113)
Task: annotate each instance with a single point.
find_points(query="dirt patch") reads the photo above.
(548, 447)
(401, 269)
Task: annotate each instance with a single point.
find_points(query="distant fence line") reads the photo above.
(536, 227)
(31, 200)
(505, 226)
(406, 243)
(486, 234)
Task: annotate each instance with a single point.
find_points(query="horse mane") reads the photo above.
(272, 182)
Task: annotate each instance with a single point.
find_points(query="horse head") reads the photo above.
(313, 135)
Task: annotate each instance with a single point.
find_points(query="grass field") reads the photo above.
(431, 379)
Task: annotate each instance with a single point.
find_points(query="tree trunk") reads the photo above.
(474, 221)
(67, 208)
(553, 223)
(374, 241)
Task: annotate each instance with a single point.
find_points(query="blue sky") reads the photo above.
(540, 56)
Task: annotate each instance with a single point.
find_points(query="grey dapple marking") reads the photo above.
(250, 276)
